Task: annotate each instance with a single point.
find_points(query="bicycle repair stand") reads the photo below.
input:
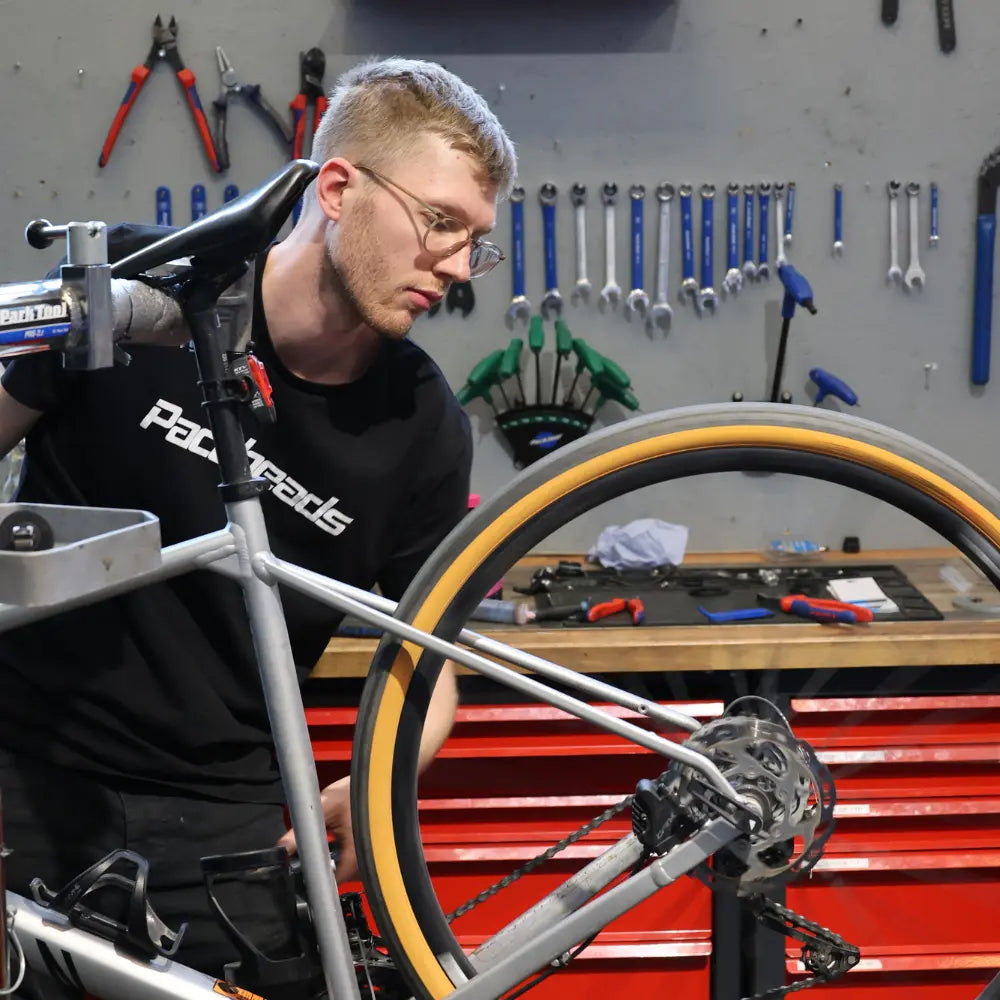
(99, 553)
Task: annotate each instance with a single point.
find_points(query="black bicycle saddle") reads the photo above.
(236, 232)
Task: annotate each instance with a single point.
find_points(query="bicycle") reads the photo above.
(741, 802)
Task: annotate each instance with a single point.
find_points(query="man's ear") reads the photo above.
(332, 180)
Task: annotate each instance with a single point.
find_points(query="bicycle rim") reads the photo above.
(865, 456)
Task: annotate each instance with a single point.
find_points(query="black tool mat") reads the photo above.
(671, 595)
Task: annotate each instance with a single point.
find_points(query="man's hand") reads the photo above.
(336, 802)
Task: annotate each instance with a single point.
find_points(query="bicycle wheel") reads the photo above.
(856, 453)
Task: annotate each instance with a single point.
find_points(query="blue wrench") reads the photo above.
(749, 267)
(689, 286)
(637, 300)
(764, 194)
(520, 307)
(708, 297)
(552, 300)
(733, 280)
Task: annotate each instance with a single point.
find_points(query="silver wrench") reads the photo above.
(733, 281)
(709, 298)
(637, 300)
(520, 307)
(895, 271)
(578, 196)
(552, 300)
(914, 273)
(611, 293)
(661, 313)
(749, 267)
(779, 213)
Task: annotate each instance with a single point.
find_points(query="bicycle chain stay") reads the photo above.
(826, 955)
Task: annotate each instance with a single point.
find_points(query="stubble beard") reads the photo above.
(358, 273)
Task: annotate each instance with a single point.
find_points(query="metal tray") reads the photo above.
(93, 547)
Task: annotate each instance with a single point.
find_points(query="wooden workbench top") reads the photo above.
(963, 638)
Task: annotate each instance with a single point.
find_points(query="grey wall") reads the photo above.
(649, 90)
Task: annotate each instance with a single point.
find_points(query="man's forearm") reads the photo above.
(440, 715)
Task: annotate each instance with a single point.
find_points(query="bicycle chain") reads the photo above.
(849, 953)
(531, 865)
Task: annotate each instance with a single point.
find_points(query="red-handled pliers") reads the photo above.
(312, 67)
(164, 47)
(819, 609)
(633, 606)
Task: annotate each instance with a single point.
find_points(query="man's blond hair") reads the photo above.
(379, 107)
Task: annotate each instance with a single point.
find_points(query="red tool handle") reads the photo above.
(187, 82)
(299, 106)
(822, 609)
(634, 606)
(139, 75)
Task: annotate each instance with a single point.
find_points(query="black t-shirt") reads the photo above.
(160, 687)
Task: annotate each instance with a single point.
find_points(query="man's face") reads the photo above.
(376, 249)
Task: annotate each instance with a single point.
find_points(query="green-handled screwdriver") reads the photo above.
(564, 344)
(536, 341)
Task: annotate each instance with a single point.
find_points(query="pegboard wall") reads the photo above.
(689, 91)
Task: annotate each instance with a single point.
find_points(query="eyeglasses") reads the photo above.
(446, 235)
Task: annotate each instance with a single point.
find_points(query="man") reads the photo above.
(139, 722)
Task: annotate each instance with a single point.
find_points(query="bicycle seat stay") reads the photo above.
(236, 232)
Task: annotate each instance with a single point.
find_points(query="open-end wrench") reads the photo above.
(764, 193)
(733, 280)
(780, 260)
(749, 267)
(637, 301)
(661, 313)
(578, 196)
(611, 292)
(895, 271)
(790, 212)
(520, 307)
(689, 286)
(552, 300)
(706, 294)
(838, 220)
(914, 273)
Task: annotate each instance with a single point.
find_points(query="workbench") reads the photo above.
(962, 639)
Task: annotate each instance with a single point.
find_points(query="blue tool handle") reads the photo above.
(748, 225)
(830, 385)
(687, 236)
(707, 228)
(637, 276)
(517, 225)
(838, 215)
(807, 610)
(789, 210)
(934, 213)
(733, 231)
(765, 203)
(739, 615)
(164, 216)
(797, 291)
(986, 228)
(549, 221)
(199, 205)
(230, 193)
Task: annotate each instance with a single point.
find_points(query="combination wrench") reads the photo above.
(611, 292)
(637, 301)
(838, 220)
(789, 212)
(733, 280)
(706, 294)
(552, 300)
(749, 267)
(661, 313)
(914, 273)
(932, 240)
(895, 272)
(520, 307)
(578, 196)
(780, 260)
(764, 194)
(689, 286)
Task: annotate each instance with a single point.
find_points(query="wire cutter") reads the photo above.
(164, 47)
(312, 66)
(251, 91)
